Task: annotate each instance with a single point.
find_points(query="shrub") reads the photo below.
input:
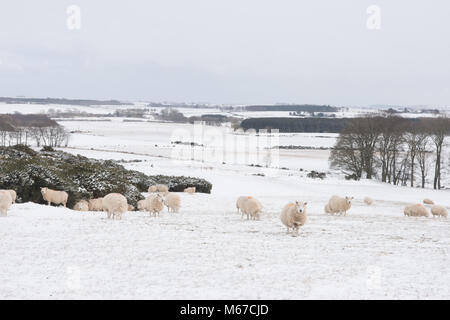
(315, 174)
(26, 171)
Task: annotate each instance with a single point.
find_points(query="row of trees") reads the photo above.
(41, 136)
(392, 149)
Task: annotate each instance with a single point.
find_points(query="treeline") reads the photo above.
(23, 129)
(76, 102)
(329, 125)
(173, 115)
(295, 108)
(392, 149)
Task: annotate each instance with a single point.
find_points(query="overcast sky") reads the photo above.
(228, 51)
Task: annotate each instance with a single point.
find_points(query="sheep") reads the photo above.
(5, 202)
(252, 207)
(95, 204)
(152, 189)
(141, 205)
(172, 202)
(338, 205)
(293, 215)
(13, 195)
(327, 209)
(416, 210)
(190, 190)
(115, 205)
(162, 188)
(240, 203)
(130, 207)
(428, 201)
(368, 201)
(439, 211)
(53, 196)
(81, 205)
(154, 204)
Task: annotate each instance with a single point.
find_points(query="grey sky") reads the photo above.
(228, 51)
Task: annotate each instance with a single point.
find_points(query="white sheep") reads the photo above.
(162, 188)
(327, 209)
(428, 201)
(416, 210)
(252, 207)
(141, 205)
(368, 201)
(172, 201)
(154, 204)
(81, 205)
(152, 189)
(439, 211)
(53, 196)
(338, 205)
(95, 204)
(13, 195)
(115, 205)
(5, 202)
(240, 203)
(293, 215)
(190, 190)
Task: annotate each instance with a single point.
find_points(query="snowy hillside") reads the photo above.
(207, 251)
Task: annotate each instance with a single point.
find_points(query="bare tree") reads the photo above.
(438, 128)
(414, 137)
(423, 156)
(388, 145)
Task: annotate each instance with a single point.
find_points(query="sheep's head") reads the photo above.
(301, 206)
(160, 198)
(349, 200)
(44, 191)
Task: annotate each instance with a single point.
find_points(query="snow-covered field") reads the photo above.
(206, 251)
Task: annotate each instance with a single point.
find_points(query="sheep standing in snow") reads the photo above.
(141, 205)
(240, 204)
(190, 190)
(5, 202)
(338, 205)
(53, 196)
(368, 201)
(152, 189)
(95, 204)
(428, 201)
(115, 205)
(154, 204)
(439, 211)
(162, 189)
(416, 210)
(81, 205)
(327, 209)
(252, 208)
(293, 215)
(172, 201)
(13, 195)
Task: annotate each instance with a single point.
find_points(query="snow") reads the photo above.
(207, 251)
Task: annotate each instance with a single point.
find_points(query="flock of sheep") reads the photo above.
(293, 215)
